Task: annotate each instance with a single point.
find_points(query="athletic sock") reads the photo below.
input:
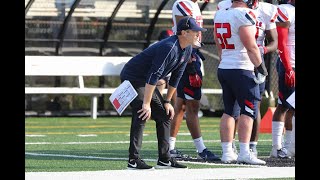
(172, 143)
(277, 130)
(199, 144)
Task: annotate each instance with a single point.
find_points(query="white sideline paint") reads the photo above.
(208, 173)
(243, 171)
(35, 135)
(87, 135)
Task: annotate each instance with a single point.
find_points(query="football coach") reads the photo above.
(143, 71)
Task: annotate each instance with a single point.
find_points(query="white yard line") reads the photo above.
(209, 173)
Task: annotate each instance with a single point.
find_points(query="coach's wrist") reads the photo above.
(166, 101)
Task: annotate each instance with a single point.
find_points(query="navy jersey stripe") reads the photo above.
(250, 19)
(181, 10)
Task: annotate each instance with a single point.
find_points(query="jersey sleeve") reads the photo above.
(246, 17)
(183, 8)
(283, 14)
(272, 16)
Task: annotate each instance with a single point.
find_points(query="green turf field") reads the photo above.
(84, 144)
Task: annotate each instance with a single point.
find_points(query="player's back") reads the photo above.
(227, 23)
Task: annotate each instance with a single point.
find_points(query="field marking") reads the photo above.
(241, 172)
(185, 174)
(125, 142)
(87, 135)
(35, 135)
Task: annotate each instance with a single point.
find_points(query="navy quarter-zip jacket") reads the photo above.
(157, 61)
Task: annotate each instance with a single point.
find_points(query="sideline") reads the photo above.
(208, 173)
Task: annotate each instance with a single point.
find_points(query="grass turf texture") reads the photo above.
(84, 144)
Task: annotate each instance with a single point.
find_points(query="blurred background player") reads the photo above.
(189, 87)
(234, 35)
(286, 81)
(266, 32)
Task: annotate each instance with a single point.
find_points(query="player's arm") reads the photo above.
(272, 39)
(283, 24)
(168, 106)
(247, 38)
(283, 31)
(217, 43)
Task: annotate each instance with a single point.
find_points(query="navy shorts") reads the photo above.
(238, 85)
(184, 90)
(236, 108)
(284, 91)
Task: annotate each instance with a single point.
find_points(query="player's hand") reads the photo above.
(145, 112)
(169, 110)
(195, 80)
(290, 78)
(262, 49)
(260, 73)
(259, 78)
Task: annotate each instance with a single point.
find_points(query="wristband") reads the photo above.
(166, 101)
(265, 50)
(262, 69)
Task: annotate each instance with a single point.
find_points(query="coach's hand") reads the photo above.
(145, 112)
(290, 78)
(169, 110)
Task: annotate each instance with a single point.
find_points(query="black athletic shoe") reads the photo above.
(170, 164)
(138, 164)
(178, 154)
(208, 156)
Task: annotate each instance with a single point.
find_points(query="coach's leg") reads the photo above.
(162, 124)
(137, 125)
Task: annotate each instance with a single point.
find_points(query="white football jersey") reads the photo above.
(286, 12)
(266, 16)
(226, 27)
(186, 8)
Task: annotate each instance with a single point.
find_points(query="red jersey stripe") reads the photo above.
(185, 7)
